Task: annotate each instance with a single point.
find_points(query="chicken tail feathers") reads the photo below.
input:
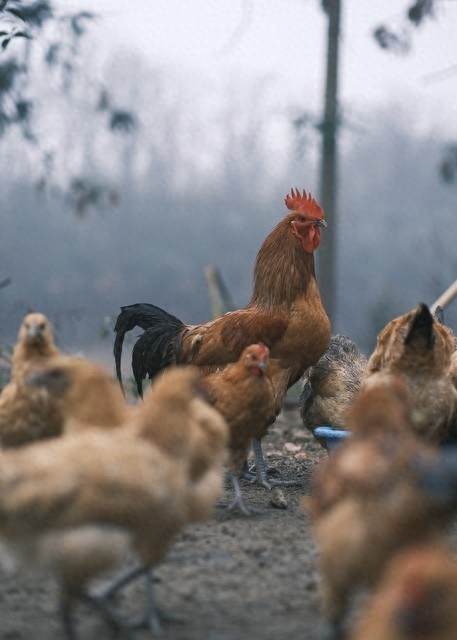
(156, 348)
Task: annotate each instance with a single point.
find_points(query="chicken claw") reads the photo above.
(238, 502)
(154, 615)
(263, 475)
(101, 604)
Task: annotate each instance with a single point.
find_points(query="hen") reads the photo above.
(243, 393)
(35, 344)
(136, 485)
(285, 313)
(79, 394)
(24, 413)
(420, 348)
(415, 598)
(371, 498)
(330, 385)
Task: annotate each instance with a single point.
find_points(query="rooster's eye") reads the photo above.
(301, 219)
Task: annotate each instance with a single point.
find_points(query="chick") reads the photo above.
(420, 348)
(140, 481)
(370, 500)
(24, 413)
(330, 385)
(243, 393)
(415, 598)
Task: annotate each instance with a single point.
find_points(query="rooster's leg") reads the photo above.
(263, 477)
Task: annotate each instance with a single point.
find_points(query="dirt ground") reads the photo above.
(231, 578)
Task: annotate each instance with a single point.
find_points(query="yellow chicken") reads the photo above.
(136, 486)
(24, 412)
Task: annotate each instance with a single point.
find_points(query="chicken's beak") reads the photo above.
(34, 333)
(320, 223)
(263, 365)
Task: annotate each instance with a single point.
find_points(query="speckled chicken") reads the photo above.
(330, 385)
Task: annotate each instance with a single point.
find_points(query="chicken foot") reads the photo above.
(154, 615)
(264, 476)
(99, 603)
(238, 502)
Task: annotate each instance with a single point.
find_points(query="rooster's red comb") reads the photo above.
(302, 203)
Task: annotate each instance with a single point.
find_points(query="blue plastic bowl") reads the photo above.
(333, 437)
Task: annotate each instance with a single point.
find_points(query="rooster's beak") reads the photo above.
(320, 223)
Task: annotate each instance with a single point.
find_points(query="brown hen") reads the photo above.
(243, 393)
(419, 347)
(370, 499)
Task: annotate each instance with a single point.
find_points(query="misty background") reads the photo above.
(135, 175)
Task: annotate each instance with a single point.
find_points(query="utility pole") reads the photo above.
(328, 174)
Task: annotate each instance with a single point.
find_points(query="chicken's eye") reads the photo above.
(301, 219)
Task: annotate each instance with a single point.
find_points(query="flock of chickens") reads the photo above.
(381, 503)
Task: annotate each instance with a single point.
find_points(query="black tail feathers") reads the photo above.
(155, 349)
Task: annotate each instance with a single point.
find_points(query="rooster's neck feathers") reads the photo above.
(281, 281)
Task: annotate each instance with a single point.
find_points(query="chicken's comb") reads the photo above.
(264, 350)
(303, 203)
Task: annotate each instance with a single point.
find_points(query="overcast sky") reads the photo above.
(284, 40)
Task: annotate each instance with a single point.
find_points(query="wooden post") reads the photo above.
(326, 254)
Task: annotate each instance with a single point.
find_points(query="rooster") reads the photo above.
(285, 313)
(420, 348)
